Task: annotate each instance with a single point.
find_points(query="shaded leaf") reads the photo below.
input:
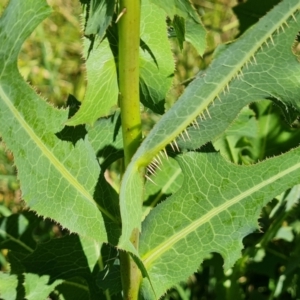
(156, 61)
(72, 134)
(66, 258)
(168, 179)
(238, 137)
(110, 279)
(106, 139)
(251, 11)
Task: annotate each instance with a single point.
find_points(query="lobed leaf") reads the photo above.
(102, 89)
(57, 179)
(9, 283)
(37, 287)
(255, 71)
(188, 26)
(99, 17)
(156, 70)
(156, 60)
(217, 206)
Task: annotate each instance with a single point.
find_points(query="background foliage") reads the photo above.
(51, 60)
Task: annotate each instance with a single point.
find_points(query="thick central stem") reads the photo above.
(129, 42)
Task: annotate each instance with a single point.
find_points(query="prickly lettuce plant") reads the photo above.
(124, 241)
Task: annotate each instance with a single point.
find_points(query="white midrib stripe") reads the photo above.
(55, 162)
(154, 254)
(45, 151)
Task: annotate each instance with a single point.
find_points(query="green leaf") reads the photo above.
(66, 258)
(262, 66)
(16, 232)
(251, 11)
(190, 27)
(179, 27)
(72, 134)
(238, 137)
(217, 206)
(100, 16)
(110, 279)
(106, 139)
(57, 179)
(196, 34)
(37, 287)
(8, 288)
(182, 8)
(102, 90)
(168, 179)
(274, 134)
(156, 59)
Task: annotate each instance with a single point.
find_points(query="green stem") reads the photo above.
(129, 42)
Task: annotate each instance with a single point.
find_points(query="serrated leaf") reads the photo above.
(102, 90)
(156, 59)
(182, 8)
(100, 16)
(37, 287)
(217, 206)
(8, 287)
(72, 134)
(106, 139)
(168, 179)
(57, 179)
(190, 27)
(258, 65)
(249, 12)
(179, 27)
(196, 34)
(238, 136)
(156, 70)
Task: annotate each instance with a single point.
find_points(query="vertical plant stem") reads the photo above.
(129, 42)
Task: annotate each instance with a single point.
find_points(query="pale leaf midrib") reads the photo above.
(49, 155)
(150, 257)
(145, 154)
